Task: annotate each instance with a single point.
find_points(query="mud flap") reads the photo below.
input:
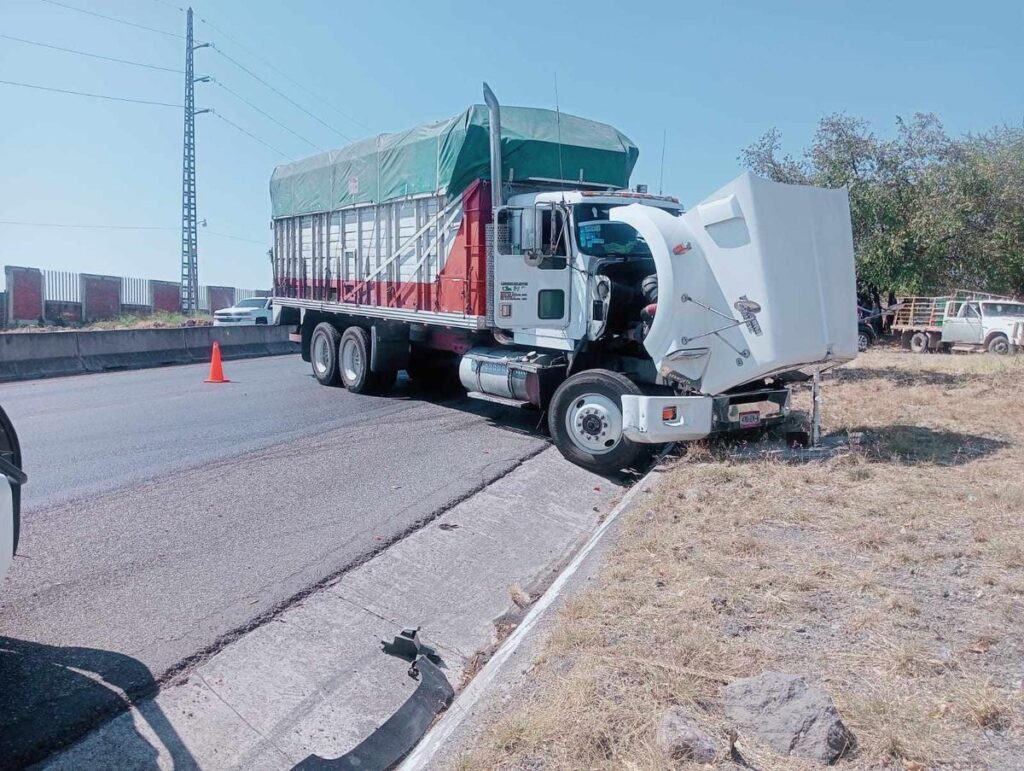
(396, 737)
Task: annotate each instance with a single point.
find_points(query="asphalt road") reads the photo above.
(164, 516)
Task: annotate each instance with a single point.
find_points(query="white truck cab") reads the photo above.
(708, 310)
(996, 325)
(551, 288)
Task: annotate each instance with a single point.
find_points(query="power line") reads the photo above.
(281, 94)
(83, 227)
(86, 53)
(267, 115)
(249, 134)
(68, 226)
(94, 96)
(234, 238)
(170, 5)
(272, 66)
(114, 19)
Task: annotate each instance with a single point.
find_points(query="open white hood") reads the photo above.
(785, 248)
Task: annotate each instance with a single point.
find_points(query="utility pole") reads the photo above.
(189, 219)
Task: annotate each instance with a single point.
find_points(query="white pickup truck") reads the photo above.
(968, 321)
(255, 310)
(11, 480)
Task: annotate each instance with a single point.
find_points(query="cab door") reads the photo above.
(965, 327)
(532, 273)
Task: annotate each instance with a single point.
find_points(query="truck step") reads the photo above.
(497, 399)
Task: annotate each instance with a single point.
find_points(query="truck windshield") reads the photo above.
(255, 302)
(599, 237)
(1003, 309)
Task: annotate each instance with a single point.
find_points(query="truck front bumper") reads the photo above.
(662, 419)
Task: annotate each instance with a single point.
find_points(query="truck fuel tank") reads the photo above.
(526, 377)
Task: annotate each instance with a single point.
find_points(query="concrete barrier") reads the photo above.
(30, 355)
(132, 348)
(27, 355)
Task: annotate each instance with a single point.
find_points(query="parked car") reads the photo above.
(11, 480)
(867, 333)
(255, 310)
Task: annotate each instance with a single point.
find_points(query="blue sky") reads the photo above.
(713, 76)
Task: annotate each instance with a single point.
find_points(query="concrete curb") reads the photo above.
(435, 739)
(32, 355)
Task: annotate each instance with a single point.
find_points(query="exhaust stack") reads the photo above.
(494, 121)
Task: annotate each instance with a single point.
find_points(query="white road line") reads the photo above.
(435, 738)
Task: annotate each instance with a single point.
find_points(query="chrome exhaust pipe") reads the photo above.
(494, 121)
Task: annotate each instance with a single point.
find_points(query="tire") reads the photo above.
(323, 354)
(583, 408)
(354, 364)
(261, 322)
(863, 341)
(919, 342)
(999, 345)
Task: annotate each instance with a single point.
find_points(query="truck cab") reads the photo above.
(995, 325)
(560, 259)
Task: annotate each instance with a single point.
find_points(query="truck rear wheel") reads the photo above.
(919, 342)
(323, 354)
(354, 364)
(585, 420)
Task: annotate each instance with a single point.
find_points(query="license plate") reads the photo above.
(750, 419)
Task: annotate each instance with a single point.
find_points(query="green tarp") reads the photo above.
(445, 157)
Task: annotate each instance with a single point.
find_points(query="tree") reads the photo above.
(930, 213)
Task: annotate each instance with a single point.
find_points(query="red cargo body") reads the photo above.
(419, 258)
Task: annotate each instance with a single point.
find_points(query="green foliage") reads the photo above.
(930, 212)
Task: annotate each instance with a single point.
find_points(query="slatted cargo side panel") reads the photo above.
(387, 255)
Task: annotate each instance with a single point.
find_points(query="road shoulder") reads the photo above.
(313, 679)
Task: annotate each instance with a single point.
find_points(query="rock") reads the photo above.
(693, 494)
(788, 714)
(680, 738)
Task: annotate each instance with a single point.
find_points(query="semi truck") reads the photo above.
(506, 245)
(963, 321)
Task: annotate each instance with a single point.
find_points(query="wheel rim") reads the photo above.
(1001, 347)
(351, 361)
(862, 342)
(321, 354)
(594, 423)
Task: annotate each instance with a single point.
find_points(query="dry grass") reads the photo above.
(893, 577)
(158, 320)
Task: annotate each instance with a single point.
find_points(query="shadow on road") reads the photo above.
(51, 695)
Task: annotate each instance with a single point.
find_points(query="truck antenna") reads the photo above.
(558, 129)
(661, 174)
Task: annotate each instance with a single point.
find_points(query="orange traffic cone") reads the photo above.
(216, 370)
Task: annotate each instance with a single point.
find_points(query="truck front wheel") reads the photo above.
(323, 354)
(585, 420)
(999, 345)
